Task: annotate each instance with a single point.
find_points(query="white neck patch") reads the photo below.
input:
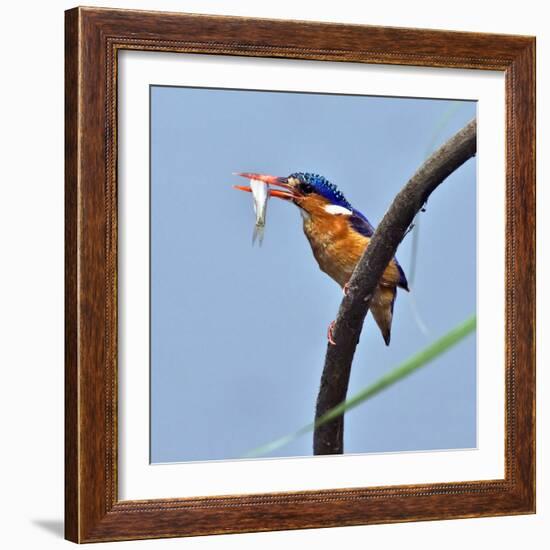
(337, 210)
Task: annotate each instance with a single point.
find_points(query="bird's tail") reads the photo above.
(381, 307)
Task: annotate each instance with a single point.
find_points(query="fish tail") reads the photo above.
(258, 234)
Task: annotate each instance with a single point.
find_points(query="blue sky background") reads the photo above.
(238, 334)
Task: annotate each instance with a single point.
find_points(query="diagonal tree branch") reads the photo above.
(329, 438)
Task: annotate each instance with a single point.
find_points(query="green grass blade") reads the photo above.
(406, 368)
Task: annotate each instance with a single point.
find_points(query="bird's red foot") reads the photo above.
(329, 334)
(345, 290)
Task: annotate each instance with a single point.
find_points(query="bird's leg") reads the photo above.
(329, 334)
(345, 290)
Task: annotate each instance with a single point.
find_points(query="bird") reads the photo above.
(338, 235)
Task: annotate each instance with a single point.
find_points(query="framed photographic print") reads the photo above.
(300, 275)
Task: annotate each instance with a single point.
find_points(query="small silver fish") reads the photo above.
(260, 193)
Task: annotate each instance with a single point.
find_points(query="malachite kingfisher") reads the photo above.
(338, 235)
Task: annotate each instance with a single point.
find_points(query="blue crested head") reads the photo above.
(314, 183)
(320, 185)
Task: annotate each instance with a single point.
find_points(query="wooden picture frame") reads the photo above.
(93, 511)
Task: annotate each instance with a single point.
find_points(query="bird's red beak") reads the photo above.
(287, 194)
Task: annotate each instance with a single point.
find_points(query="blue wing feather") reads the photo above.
(361, 224)
(403, 283)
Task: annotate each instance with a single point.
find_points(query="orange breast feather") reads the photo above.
(337, 248)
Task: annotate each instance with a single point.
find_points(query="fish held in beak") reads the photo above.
(261, 192)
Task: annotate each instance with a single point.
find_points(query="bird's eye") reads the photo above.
(306, 188)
